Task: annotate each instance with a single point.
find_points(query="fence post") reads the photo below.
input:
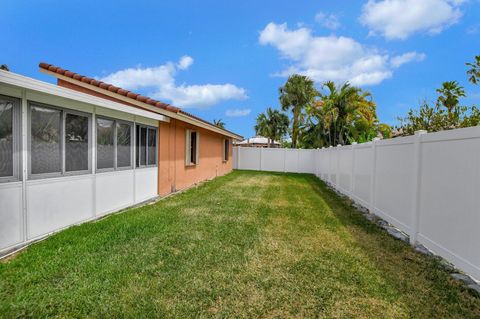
(352, 170)
(417, 162)
(371, 207)
(285, 160)
(330, 148)
(320, 158)
(261, 151)
(298, 160)
(337, 173)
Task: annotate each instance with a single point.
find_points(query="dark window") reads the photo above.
(124, 145)
(76, 143)
(45, 147)
(226, 150)
(105, 144)
(6, 138)
(193, 147)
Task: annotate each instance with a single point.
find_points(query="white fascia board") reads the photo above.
(44, 87)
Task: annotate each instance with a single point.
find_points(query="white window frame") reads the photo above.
(226, 152)
(148, 128)
(188, 148)
(17, 139)
(115, 141)
(63, 116)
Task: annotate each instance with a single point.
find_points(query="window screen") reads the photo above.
(76, 143)
(45, 140)
(105, 144)
(124, 143)
(152, 146)
(6, 138)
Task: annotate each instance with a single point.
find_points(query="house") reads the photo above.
(81, 149)
(258, 141)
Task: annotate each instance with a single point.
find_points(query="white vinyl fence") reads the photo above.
(427, 185)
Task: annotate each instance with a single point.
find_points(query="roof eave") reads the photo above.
(176, 115)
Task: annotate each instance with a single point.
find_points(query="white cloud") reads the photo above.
(328, 58)
(399, 19)
(397, 61)
(185, 62)
(160, 80)
(329, 21)
(237, 112)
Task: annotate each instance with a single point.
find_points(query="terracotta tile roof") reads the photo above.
(108, 87)
(120, 91)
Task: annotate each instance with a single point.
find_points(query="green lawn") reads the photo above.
(248, 244)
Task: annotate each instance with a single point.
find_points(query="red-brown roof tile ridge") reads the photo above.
(123, 92)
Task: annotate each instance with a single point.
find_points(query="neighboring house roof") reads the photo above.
(257, 140)
(109, 88)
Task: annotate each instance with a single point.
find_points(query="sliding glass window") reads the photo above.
(76, 143)
(114, 144)
(59, 141)
(124, 145)
(146, 146)
(10, 137)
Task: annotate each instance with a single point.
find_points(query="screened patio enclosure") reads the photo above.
(67, 157)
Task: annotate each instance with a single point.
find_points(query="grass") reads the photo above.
(248, 244)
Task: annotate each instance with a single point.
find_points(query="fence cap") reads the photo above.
(421, 132)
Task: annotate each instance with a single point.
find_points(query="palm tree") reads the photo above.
(474, 71)
(219, 123)
(297, 94)
(450, 93)
(347, 111)
(272, 124)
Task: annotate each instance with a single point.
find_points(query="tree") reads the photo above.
(349, 114)
(272, 124)
(446, 114)
(219, 123)
(297, 94)
(474, 71)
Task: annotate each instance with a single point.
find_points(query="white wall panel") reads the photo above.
(249, 158)
(362, 172)
(450, 201)
(146, 183)
(273, 159)
(344, 168)
(10, 214)
(324, 164)
(394, 182)
(333, 162)
(114, 190)
(58, 202)
(291, 161)
(306, 162)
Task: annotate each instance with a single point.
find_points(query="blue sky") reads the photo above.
(225, 59)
